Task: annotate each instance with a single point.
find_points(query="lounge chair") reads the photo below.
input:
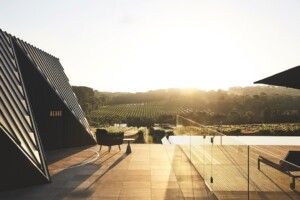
(109, 139)
(289, 164)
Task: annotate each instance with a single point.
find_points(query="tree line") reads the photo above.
(237, 105)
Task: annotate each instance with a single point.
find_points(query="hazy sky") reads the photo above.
(138, 45)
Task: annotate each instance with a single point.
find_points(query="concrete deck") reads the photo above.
(151, 171)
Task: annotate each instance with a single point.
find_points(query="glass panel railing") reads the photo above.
(240, 167)
(274, 172)
(220, 160)
(198, 157)
(229, 176)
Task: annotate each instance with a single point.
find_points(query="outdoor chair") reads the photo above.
(288, 165)
(109, 139)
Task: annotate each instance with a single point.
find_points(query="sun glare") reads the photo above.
(129, 46)
(193, 57)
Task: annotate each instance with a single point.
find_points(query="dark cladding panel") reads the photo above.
(58, 126)
(17, 123)
(17, 170)
(13, 110)
(37, 106)
(53, 72)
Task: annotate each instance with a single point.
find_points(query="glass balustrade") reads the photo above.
(235, 167)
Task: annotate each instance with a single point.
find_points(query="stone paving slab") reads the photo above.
(151, 171)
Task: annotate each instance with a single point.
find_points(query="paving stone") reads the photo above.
(149, 172)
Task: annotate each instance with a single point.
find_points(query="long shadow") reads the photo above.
(79, 174)
(110, 168)
(86, 192)
(66, 182)
(63, 153)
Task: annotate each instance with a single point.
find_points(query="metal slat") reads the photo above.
(15, 124)
(52, 70)
(18, 118)
(17, 102)
(9, 77)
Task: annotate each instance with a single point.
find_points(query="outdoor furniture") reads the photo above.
(287, 165)
(128, 150)
(109, 139)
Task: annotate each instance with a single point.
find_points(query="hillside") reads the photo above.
(236, 106)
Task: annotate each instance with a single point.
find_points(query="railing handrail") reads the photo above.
(202, 126)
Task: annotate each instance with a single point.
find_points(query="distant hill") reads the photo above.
(238, 105)
(263, 89)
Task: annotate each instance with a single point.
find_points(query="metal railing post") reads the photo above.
(248, 172)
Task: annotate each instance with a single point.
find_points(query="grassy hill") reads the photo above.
(250, 105)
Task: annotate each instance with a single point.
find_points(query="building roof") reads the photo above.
(288, 78)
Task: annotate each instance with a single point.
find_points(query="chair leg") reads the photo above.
(119, 148)
(293, 183)
(100, 148)
(109, 148)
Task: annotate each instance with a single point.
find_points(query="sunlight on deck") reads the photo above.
(151, 171)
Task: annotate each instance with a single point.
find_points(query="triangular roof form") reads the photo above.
(288, 78)
(38, 111)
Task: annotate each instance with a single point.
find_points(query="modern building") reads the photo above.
(39, 112)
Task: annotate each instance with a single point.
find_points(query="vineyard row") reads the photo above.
(140, 110)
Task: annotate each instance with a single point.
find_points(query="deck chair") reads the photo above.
(109, 139)
(289, 164)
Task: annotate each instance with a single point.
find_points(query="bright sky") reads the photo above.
(139, 45)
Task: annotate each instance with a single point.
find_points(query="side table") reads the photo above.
(128, 150)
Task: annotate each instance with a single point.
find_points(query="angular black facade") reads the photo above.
(38, 111)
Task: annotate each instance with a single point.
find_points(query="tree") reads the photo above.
(249, 117)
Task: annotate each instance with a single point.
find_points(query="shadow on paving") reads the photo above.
(57, 155)
(88, 191)
(72, 182)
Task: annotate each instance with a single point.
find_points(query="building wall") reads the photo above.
(58, 126)
(16, 169)
(38, 110)
(22, 156)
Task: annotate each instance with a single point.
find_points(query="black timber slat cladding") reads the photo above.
(53, 72)
(17, 170)
(38, 110)
(58, 126)
(13, 107)
(16, 119)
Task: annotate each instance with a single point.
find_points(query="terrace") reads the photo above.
(201, 164)
(151, 171)
(191, 167)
